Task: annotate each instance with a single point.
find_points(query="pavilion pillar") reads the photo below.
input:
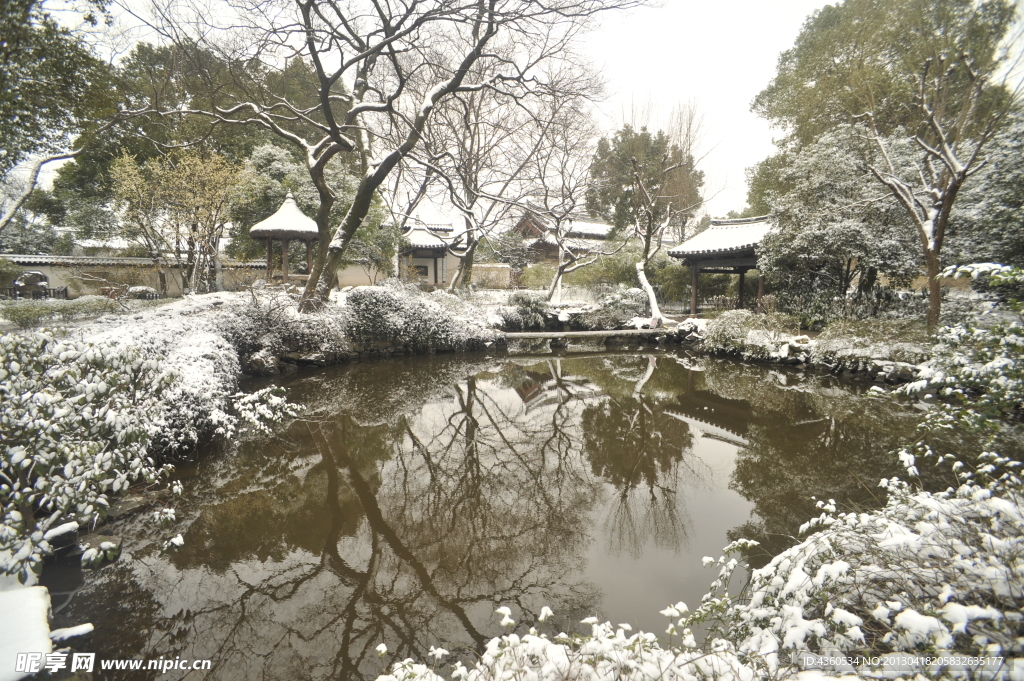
(743, 276)
(284, 261)
(435, 271)
(760, 290)
(309, 257)
(270, 259)
(694, 280)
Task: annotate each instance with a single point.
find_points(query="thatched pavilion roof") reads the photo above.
(289, 222)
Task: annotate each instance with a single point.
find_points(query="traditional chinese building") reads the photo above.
(726, 247)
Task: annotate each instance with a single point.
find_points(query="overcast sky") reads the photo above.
(721, 53)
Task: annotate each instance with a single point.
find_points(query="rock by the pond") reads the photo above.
(127, 506)
(98, 549)
(264, 363)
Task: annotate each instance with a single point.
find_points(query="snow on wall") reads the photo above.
(24, 627)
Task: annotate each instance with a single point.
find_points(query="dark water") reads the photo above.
(417, 495)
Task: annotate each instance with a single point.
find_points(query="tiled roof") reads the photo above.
(110, 261)
(725, 236)
(589, 229)
(419, 237)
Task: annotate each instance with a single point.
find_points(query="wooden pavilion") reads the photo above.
(726, 247)
(288, 224)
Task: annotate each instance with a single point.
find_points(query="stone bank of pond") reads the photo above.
(417, 495)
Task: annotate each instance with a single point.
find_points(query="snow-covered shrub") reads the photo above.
(402, 315)
(76, 423)
(616, 309)
(926, 573)
(744, 333)
(270, 322)
(850, 344)
(525, 311)
(609, 653)
(143, 293)
(28, 314)
(977, 373)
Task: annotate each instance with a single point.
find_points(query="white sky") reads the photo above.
(720, 52)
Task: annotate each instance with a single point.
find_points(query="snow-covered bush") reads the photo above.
(616, 309)
(850, 344)
(744, 333)
(28, 314)
(977, 373)
(270, 322)
(76, 423)
(403, 316)
(525, 311)
(927, 573)
(143, 293)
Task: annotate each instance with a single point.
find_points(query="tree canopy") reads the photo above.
(867, 55)
(613, 194)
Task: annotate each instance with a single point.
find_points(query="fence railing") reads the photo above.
(36, 293)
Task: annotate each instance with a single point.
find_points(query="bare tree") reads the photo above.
(959, 120)
(469, 147)
(485, 147)
(365, 58)
(657, 193)
(561, 172)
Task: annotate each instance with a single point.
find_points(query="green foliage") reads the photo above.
(876, 331)
(508, 247)
(863, 55)
(30, 237)
(831, 227)
(277, 171)
(75, 428)
(988, 224)
(29, 314)
(609, 270)
(50, 83)
(164, 76)
(539, 275)
(615, 309)
(8, 272)
(613, 194)
(404, 317)
(375, 247)
(731, 330)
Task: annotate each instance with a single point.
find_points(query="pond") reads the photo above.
(415, 496)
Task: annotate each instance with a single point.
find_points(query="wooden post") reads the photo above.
(743, 276)
(760, 290)
(309, 257)
(270, 259)
(695, 278)
(284, 261)
(435, 271)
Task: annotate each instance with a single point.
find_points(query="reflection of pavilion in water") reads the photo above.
(719, 418)
(541, 388)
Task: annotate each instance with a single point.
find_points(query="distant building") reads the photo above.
(583, 235)
(427, 260)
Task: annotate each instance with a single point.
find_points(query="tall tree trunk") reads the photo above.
(934, 291)
(464, 275)
(641, 274)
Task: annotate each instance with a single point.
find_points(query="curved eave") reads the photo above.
(740, 251)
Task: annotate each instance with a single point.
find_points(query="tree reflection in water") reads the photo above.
(417, 495)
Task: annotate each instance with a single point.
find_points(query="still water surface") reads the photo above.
(416, 495)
